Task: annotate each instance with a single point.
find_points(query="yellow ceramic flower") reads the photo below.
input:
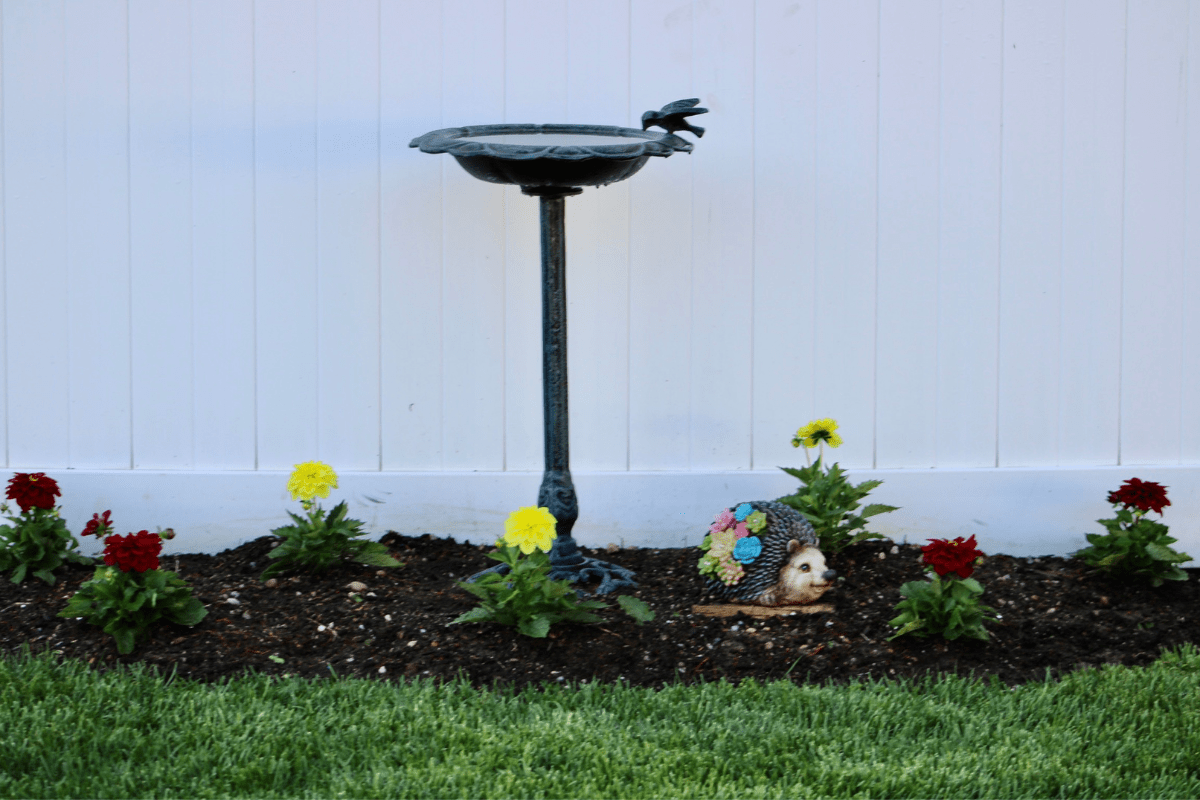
(312, 479)
(722, 544)
(530, 528)
(816, 432)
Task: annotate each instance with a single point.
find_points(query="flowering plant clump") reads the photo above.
(131, 593)
(524, 594)
(318, 540)
(827, 499)
(948, 603)
(731, 544)
(37, 541)
(1136, 546)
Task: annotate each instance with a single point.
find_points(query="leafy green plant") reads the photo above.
(132, 593)
(317, 541)
(948, 603)
(38, 540)
(1135, 546)
(827, 499)
(525, 596)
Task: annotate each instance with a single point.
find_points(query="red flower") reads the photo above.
(947, 556)
(32, 490)
(99, 526)
(137, 551)
(1146, 495)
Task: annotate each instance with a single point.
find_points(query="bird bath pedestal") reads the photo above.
(553, 162)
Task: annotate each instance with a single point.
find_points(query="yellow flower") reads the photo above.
(817, 431)
(312, 479)
(530, 528)
(722, 544)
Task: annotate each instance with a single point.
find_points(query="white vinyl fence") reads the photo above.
(970, 232)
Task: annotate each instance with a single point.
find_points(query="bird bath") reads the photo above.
(551, 156)
(553, 162)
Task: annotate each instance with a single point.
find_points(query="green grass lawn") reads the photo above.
(1116, 732)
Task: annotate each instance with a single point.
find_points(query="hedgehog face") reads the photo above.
(804, 578)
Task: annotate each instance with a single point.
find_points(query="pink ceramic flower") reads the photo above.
(741, 531)
(723, 520)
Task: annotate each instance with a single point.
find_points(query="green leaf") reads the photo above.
(955, 621)
(636, 608)
(191, 613)
(877, 508)
(1160, 553)
(479, 614)
(537, 627)
(973, 585)
(19, 573)
(45, 575)
(376, 554)
(482, 591)
(124, 637)
(909, 628)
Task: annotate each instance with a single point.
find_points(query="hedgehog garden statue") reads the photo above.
(763, 554)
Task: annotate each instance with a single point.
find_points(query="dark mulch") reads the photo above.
(1057, 617)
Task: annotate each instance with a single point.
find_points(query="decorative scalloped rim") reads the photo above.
(450, 140)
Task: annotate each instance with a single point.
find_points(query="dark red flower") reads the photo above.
(33, 490)
(1146, 495)
(137, 551)
(99, 526)
(947, 556)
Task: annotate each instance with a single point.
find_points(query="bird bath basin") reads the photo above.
(552, 162)
(547, 156)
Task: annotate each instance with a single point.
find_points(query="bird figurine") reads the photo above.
(672, 117)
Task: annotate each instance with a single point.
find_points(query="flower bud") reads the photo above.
(169, 533)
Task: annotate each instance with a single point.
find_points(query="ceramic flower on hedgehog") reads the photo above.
(131, 593)
(826, 498)
(948, 603)
(526, 596)
(763, 553)
(37, 541)
(1135, 546)
(730, 544)
(317, 541)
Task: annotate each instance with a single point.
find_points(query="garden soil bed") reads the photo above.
(1057, 616)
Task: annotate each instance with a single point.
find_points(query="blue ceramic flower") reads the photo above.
(741, 512)
(747, 549)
